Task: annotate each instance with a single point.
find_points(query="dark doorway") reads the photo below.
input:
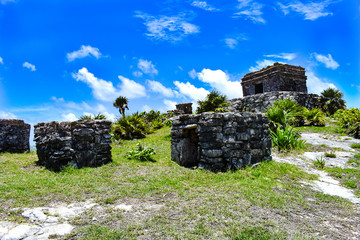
(189, 156)
(259, 88)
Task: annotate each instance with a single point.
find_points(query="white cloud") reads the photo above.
(172, 29)
(7, 115)
(137, 74)
(159, 88)
(83, 52)
(146, 108)
(261, 64)
(189, 90)
(311, 10)
(286, 56)
(101, 89)
(169, 105)
(6, 1)
(192, 73)
(250, 10)
(231, 42)
(130, 88)
(29, 66)
(69, 117)
(317, 85)
(220, 81)
(147, 67)
(327, 60)
(204, 5)
(1, 60)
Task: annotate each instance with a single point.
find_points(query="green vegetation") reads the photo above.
(325, 129)
(98, 116)
(349, 177)
(331, 101)
(355, 145)
(314, 117)
(330, 154)
(350, 120)
(287, 139)
(214, 102)
(141, 153)
(320, 163)
(121, 103)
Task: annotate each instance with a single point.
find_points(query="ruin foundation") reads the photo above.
(82, 143)
(261, 102)
(14, 136)
(220, 141)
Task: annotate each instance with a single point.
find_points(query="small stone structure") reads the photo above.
(261, 102)
(220, 141)
(14, 136)
(278, 77)
(82, 143)
(183, 108)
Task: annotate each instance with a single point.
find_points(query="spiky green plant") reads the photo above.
(130, 127)
(314, 117)
(213, 101)
(286, 138)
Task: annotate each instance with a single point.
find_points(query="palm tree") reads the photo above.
(331, 101)
(121, 103)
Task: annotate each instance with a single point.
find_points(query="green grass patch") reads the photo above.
(330, 154)
(318, 129)
(349, 177)
(355, 145)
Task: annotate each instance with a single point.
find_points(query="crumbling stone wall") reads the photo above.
(220, 141)
(261, 102)
(183, 108)
(14, 136)
(278, 77)
(82, 143)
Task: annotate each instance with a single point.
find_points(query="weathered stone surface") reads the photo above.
(183, 108)
(261, 102)
(14, 136)
(278, 77)
(83, 143)
(221, 141)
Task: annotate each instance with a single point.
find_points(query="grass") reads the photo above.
(327, 129)
(330, 154)
(319, 163)
(355, 145)
(349, 177)
(195, 204)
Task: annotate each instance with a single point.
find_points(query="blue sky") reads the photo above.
(62, 59)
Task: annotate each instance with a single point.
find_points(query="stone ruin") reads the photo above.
(14, 136)
(183, 108)
(220, 141)
(82, 143)
(278, 77)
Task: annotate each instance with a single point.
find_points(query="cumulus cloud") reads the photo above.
(204, 5)
(169, 105)
(231, 42)
(101, 89)
(189, 90)
(250, 10)
(105, 90)
(327, 60)
(220, 81)
(1, 60)
(173, 29)
(69, 117)
(261, 64)
(147, 67)
(311, 10)
(192, 74)
(286, 56)
(29, 66)
(7, 115)
(159, 88)
(83, 52)
(137, 74)
(317, 85)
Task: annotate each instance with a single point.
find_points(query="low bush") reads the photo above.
(141, 153)
(314, 117)
(287, 139)
(355, 145)
(350, 120)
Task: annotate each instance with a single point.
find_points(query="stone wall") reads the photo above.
(261, 102)
(183, 108)
(220, 141)
(14, 136)
(82, 143)
(278, 77)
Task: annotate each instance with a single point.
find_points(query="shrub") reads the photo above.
(98, 116)
(286, 138)
(351, 184)
(168, 123)
(330, 155)
(349, 119)
(355, 145)
(213, 101)
(141, 153)
(285, 112)
(314, 117)
(131, 127)
(331, 101)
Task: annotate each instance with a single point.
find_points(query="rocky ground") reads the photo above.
(57, 220)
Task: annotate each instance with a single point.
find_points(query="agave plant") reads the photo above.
(286, 138)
